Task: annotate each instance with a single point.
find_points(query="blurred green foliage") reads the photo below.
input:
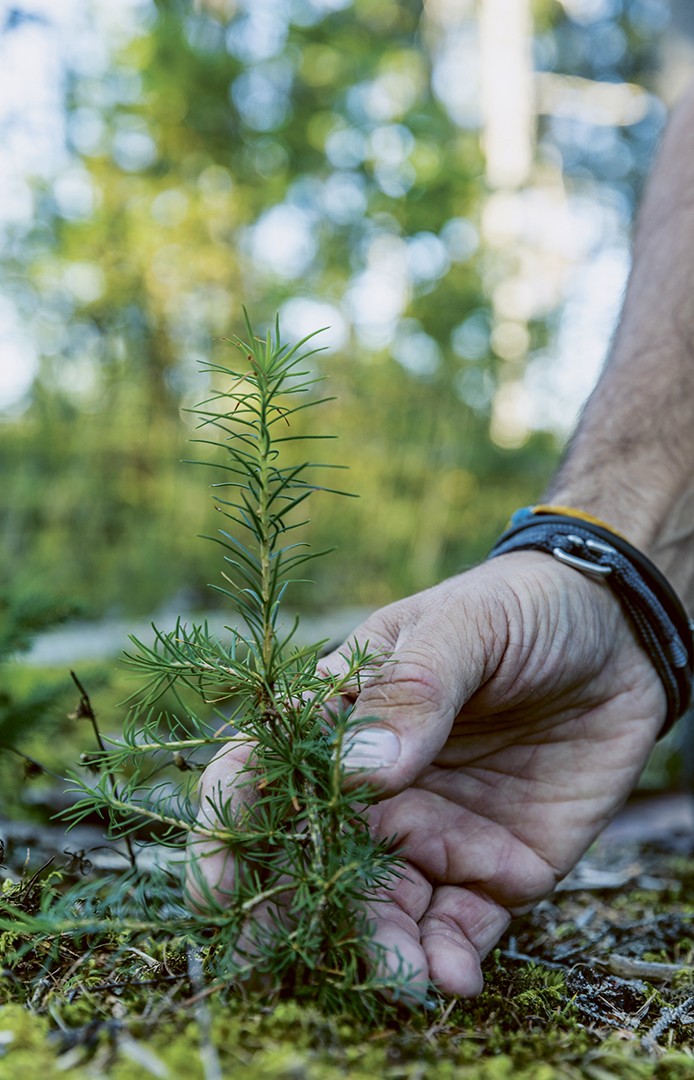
(24, 706)
(228, 157)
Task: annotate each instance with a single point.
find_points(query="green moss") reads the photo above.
(105, 1010)
(26, 1047)
(492, 1038)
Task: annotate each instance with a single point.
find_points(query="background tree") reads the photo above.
(304, 157)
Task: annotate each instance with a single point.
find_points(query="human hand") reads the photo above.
(508, 725)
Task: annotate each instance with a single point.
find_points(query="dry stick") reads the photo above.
(667, 1018)
(32, 761)
(85, 709)
(653, 971)
(440, 1024)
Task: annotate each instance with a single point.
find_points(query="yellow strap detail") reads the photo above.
(581, 515)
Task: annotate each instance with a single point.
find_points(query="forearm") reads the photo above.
(631, 461)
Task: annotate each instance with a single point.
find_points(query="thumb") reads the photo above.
(404, 715)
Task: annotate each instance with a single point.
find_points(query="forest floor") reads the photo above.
(596, 982)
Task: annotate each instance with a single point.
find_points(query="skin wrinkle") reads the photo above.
(496, 622)
(411, 893)
(422, 624)
(441, 852)
(475, 933)
(426, 685)
(515, 830)
(506, 724)
(477, 770)
(489, 777)
(451, 628)
(489, 909)
(525, 675)
(587, 796)
(545, 718)
(440, 924)
(559, 627)
(577, 746)
(531, 782)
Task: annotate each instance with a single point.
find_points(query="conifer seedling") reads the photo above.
(293, 916)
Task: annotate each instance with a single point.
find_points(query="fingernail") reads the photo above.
(371, 748)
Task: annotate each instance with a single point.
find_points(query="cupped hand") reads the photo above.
(510, 721)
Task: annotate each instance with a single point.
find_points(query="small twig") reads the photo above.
(667, 1018)
(440, 1024)
(511, 954)
(30, 882)
(572, 949)
(629, 968)
(201, 995)
(211, 1067)
(123, 984)
(86, 710)
(31, 761)
(638, 1016)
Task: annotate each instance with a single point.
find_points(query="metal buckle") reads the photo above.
(599, 545)
(582, 565)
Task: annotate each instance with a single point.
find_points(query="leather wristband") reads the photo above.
(655, 610)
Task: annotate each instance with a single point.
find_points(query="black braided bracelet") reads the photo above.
(657, 614)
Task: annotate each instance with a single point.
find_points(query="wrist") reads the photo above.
(636, 515)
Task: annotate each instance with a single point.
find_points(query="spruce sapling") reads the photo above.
(294, 912)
